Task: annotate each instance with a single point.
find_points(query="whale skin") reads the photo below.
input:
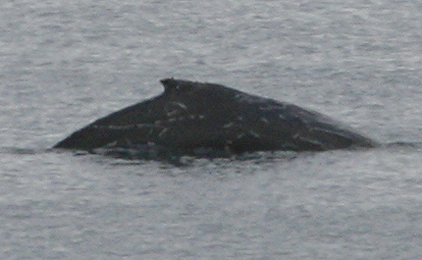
(194, 118)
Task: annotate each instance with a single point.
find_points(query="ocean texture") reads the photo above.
(63, 65)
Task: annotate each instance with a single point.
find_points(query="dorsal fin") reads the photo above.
(170, 84)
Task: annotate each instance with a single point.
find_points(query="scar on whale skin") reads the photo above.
(192, 116)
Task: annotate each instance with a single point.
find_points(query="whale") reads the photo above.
(207, 119)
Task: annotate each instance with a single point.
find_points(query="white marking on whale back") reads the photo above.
(229, 125)
(145, 125)
(264, 120)
(254, 134)
(250, 132)
(163, 132)
(181, 105)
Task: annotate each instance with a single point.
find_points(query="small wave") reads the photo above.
(403, 144)
(20, 150)
(132, 155)
(178, 158)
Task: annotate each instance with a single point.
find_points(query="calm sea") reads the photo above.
(64, 64)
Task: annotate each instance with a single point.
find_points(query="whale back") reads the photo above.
(190, 116)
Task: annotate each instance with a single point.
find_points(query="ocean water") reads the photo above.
(63, 65)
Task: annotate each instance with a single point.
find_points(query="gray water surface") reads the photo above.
(63, 65)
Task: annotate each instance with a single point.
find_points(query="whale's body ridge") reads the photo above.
(193, 117)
